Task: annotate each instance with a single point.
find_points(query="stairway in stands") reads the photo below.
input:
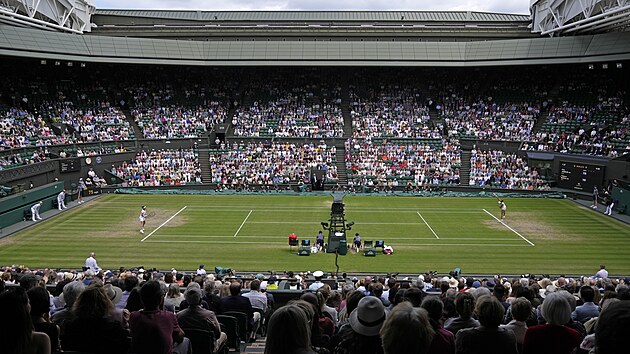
(204, 164)
(137, 132)
(345, 111)
(342, 173)
(542, 118)
(464, 171)
(552, 99)
(436, 121)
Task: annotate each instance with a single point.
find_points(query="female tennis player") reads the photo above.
(142, 218)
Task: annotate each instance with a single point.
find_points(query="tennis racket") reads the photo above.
(151, 214)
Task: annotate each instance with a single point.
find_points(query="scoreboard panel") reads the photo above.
(70, 165)
(580, 176)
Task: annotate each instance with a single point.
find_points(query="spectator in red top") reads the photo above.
(553, 337)
(155, 331)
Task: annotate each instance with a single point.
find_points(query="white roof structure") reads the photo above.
(574, 17)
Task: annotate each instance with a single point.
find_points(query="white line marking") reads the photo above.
(504, 224)
(164, 223)
(388, 237)
(405, 245)
(305, 209)
(247, 217)
(318, 223)
(429, 226)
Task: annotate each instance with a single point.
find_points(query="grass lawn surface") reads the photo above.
(249, 233)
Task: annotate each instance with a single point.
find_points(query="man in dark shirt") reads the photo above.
(196, 317)
(236, 302)
(154, 331)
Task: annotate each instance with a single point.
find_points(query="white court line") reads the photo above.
(429, 226)
(318, 223)
(305, 209)
(504, 224)
(284, 243)
(388, 237)
(164, 223)
(247, 217)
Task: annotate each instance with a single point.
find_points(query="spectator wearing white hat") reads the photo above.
(318, 281)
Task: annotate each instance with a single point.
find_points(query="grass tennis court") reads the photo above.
(249, 233)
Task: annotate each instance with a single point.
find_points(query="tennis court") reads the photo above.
(249, 233)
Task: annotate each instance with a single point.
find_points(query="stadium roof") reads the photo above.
(396, 16)
(33, 43)
(446, 25)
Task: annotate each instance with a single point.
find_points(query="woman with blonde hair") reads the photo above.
(326, 293)
(173, 298)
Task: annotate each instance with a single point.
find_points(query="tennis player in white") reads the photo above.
(503, 208)
(142, 218)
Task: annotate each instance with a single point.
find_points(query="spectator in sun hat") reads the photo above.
(365, 324)
(71, 292)
(453, 283)
(114, 293)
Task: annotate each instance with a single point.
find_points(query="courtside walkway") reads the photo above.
(9, 230)
(601, 208)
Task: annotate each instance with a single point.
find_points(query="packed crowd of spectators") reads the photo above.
(271, 163)
(431, 162)
(430, 313)
(178, 122)
(498, 169)
(160, 167)
(19, 128)
(101, 123)
(300, 111)
(490, 121)
(392, 112)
